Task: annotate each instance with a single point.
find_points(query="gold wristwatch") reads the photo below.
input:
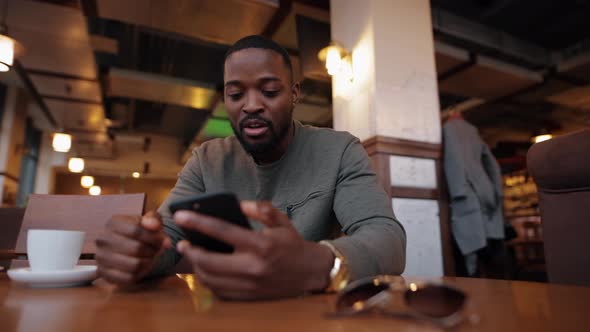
(339, 274)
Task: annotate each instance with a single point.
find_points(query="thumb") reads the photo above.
(152, 221)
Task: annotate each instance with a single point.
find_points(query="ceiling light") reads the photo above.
(6, 53)
(87, 181)
(541, 138)
(9, 47)
(541, 135)
(62, 142)
(94, 190)
(135, 175)
(76, 165)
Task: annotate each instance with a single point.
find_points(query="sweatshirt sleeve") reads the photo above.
(375, 241)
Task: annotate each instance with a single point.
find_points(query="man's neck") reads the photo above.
(278, 151)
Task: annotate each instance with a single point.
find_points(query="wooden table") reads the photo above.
(177, 304)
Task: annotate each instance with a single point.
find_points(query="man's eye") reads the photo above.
(235, 96)
(270, 93)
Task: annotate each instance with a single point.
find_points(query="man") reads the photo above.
(296, 181)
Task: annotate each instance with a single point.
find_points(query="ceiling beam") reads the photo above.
(40, 72)
(159, 88)
(86, 131)
(550, 74)
(571, 79)
(495, 8)
(22, 73)
(570, 58)
(518, 93)
(72, 100)
(464, 29)
(462, 106)
(458, 68)
(278, 18)
(89, 8)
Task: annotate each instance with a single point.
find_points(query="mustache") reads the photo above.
(257, 117)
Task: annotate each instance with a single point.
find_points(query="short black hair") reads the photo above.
(258, 41)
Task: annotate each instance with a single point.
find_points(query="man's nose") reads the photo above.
(252, 103)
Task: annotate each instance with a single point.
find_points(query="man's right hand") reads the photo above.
(129, 247)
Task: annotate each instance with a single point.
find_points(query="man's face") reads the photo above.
(259, 98)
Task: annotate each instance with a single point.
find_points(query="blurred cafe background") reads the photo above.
(102, 97)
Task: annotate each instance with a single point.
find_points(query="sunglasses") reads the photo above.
(438, 304)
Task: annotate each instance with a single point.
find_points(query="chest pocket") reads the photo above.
(315, 195)
(313, 217)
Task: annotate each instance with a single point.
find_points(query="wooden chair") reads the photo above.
(10, 223)
(72, 212)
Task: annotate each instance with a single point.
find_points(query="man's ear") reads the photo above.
(295, 92)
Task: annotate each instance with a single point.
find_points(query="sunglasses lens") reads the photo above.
(435, 301)
(354, 296)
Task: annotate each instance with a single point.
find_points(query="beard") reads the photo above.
(274, 139)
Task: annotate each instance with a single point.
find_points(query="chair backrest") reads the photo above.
(10, 223)
(561, 170)
(74, 212)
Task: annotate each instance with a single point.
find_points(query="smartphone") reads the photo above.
(221, 205)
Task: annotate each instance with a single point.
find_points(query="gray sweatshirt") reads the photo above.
(324, 183)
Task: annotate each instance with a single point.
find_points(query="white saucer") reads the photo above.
(79, 275)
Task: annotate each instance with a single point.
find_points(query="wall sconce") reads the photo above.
(76, 165)
(337, 59)
(61, 142)
(541, 135)
(135, 175)
(541, 138)
(87, 181)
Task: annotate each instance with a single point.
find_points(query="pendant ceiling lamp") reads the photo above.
(76, 165)
(61, 142)
(9, 47)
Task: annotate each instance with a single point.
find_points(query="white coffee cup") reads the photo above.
(50, 250)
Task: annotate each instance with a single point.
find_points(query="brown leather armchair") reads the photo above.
(561, 170)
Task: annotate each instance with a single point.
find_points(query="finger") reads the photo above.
(123, 245)
(115, 276)
(167, 244)
(229, 233)
(239, 265)
(128, 264)
(152, 221)
(129, 226)
(265, 213)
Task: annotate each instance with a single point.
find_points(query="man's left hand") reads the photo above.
(276, 262)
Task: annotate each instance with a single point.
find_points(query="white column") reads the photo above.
(48, 160)
(394, 90)
(7, 121)
(394, 94)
